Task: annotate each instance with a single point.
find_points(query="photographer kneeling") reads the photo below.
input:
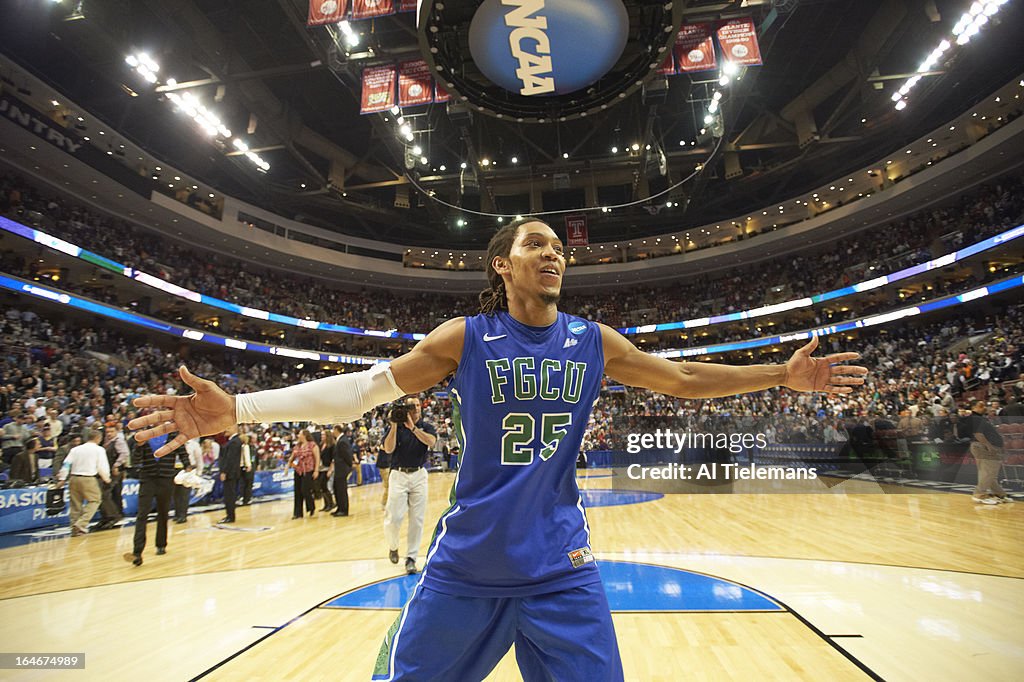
(408, 441)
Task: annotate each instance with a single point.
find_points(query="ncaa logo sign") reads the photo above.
(547, 47)
(578, 327)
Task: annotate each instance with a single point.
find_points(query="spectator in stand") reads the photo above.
(24, 468)
(73, 440)
(15, 433)
(47, 445)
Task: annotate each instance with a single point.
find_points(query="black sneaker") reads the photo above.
(410, 566)
(161, 550)
(393, 555)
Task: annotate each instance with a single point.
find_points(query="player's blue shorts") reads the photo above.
(561, 636)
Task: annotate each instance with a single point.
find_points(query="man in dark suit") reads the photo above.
(342, 466)
(230, 464)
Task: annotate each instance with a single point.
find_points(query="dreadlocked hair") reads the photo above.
(494, 298)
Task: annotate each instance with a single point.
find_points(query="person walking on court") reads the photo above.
(230, 465)
(248, 466)
(384, 468)
(408, 442)
(82, 465)
(510, 561)
(987, 450)
(156, 483)
(341, 467)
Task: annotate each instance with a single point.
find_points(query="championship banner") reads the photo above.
(415, 84)
(668, 67)
(366, 9)
(694, 49)
(576, 230)
(407, 5)
(738, 39)
(326, 12)
(440, 94)
(378, 89)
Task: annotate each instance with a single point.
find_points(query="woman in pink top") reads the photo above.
(304, 459)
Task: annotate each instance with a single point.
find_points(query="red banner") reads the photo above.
(576, 231)
(668, 67)
(378, 88)
(440, 94)
(738, 39)
(365, 9)
(407, 5)
(415, 84)
(326, 12)
(694, 50)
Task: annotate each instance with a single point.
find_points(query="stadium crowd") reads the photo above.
(982, 212)
(57, 376)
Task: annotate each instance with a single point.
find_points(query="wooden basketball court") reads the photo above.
(869, 585)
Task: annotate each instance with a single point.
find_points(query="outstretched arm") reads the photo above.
(628, 365)
(340, 398)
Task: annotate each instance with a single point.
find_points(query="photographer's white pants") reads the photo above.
(406, 492)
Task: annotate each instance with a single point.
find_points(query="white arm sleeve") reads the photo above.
(341, 398)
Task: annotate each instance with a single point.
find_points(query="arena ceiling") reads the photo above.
(834, 63)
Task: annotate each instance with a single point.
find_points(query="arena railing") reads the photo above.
(75, 251)
(58, 296)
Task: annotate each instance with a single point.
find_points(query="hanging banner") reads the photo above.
(326, 12)
(576, 231)
(407, 5)
(440, 94)
(668, 67)
(415, 84)
(378, 89)
(694, 49)
(738, 39)
(366, 9)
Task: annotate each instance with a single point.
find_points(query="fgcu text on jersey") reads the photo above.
(521, 399)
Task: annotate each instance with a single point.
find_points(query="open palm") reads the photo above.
(206, 412)
(806, 373)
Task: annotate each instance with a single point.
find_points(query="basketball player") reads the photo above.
(510, 560)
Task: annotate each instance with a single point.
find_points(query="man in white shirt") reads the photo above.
(84, 462)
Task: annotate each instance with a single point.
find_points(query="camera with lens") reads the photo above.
(399, 413)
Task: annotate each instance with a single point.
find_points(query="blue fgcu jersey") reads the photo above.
(521, 400)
